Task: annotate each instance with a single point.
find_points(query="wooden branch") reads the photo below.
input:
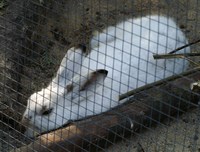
(170, 56)
(157, 83)
(184, 56)
(147, 107)
(182, 47)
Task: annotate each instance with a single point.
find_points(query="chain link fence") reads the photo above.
(85, 75)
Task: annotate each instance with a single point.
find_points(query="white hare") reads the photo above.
(121, 59)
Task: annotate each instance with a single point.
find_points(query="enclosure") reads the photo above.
(159, 116)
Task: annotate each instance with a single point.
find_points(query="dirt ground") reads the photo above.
(40, 35)
(179, 135)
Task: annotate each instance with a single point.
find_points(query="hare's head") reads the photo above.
(39, 104)
(47, 110)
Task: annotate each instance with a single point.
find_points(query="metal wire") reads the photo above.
(153, 123)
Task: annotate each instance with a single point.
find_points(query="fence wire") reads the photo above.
(81, 76)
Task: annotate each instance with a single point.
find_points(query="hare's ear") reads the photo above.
(94, 80)
(70, 66)
(89, 81)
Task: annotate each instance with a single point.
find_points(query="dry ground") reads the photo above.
(51, 28)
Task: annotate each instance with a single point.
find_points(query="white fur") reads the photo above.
(126, 52)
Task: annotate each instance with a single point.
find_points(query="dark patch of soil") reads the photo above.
(36, 36)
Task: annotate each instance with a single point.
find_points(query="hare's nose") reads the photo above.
(26, 119)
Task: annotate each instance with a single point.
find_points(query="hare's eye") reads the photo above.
(47, 112)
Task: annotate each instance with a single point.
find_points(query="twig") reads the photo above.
(157, 83)
(182, 47)
(99, 131)
(191, 61)
(169, 56)
(184, 56)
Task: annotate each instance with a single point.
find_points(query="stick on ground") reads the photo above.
(148, 107)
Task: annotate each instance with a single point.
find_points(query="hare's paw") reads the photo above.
(31, 133)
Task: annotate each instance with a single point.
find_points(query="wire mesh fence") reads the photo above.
(81, 75)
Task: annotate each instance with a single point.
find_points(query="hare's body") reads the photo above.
(124, 55)
(126, 52)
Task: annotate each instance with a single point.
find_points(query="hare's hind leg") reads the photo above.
(105, 36)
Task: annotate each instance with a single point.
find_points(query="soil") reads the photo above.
(35, 36)
(178, 135)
